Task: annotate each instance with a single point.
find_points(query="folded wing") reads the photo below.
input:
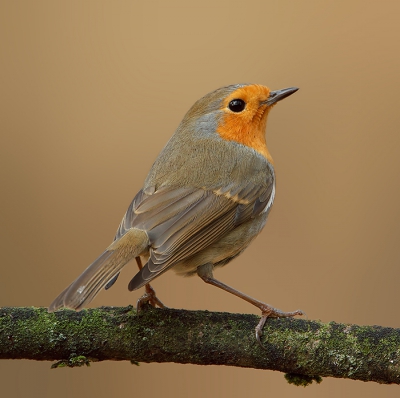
(180, 222)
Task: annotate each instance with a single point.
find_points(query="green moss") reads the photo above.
(301, 380)
(73, 362)
(59, 364)
(293, 346)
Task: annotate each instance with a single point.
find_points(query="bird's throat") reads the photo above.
(249, 133)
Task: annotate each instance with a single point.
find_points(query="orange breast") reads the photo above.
(247, 132)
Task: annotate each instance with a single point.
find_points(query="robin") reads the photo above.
(205, 199)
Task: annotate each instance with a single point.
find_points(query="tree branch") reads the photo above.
(294, 346)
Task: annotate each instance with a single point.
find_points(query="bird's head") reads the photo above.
(239, 113)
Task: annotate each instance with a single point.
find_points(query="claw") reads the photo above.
(268, 311)
(259, 328)
(153, 299)
(149, 297)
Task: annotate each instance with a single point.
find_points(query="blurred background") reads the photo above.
(90, 93)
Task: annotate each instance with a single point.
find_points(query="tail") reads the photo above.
(85, 288)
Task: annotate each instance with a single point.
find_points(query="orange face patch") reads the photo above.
(248, 126)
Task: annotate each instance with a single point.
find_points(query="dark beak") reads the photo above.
(275, 96)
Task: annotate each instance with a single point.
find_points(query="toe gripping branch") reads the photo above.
(150, 294)
(270, 312)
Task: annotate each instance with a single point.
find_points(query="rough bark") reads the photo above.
(304, 349)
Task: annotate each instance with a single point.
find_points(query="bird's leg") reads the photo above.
(150, 294)
(267, 311)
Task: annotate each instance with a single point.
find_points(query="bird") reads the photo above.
(206, 197)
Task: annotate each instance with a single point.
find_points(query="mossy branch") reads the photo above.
(294, 346)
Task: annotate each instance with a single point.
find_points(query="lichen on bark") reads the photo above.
(305, 350)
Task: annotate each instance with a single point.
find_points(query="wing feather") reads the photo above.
(181, 222)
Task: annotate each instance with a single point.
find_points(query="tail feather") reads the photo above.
(101, 271)
(111, 282)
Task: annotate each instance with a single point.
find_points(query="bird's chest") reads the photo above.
(209, 163)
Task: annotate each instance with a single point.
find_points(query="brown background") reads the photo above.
(89, 94)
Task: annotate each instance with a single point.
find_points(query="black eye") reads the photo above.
(237, 105)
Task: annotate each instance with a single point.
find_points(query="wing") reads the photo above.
(182, 221)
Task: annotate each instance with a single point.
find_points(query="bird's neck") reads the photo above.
(251, 134)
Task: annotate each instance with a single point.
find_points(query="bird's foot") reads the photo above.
(149, 297)
(270, 312)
